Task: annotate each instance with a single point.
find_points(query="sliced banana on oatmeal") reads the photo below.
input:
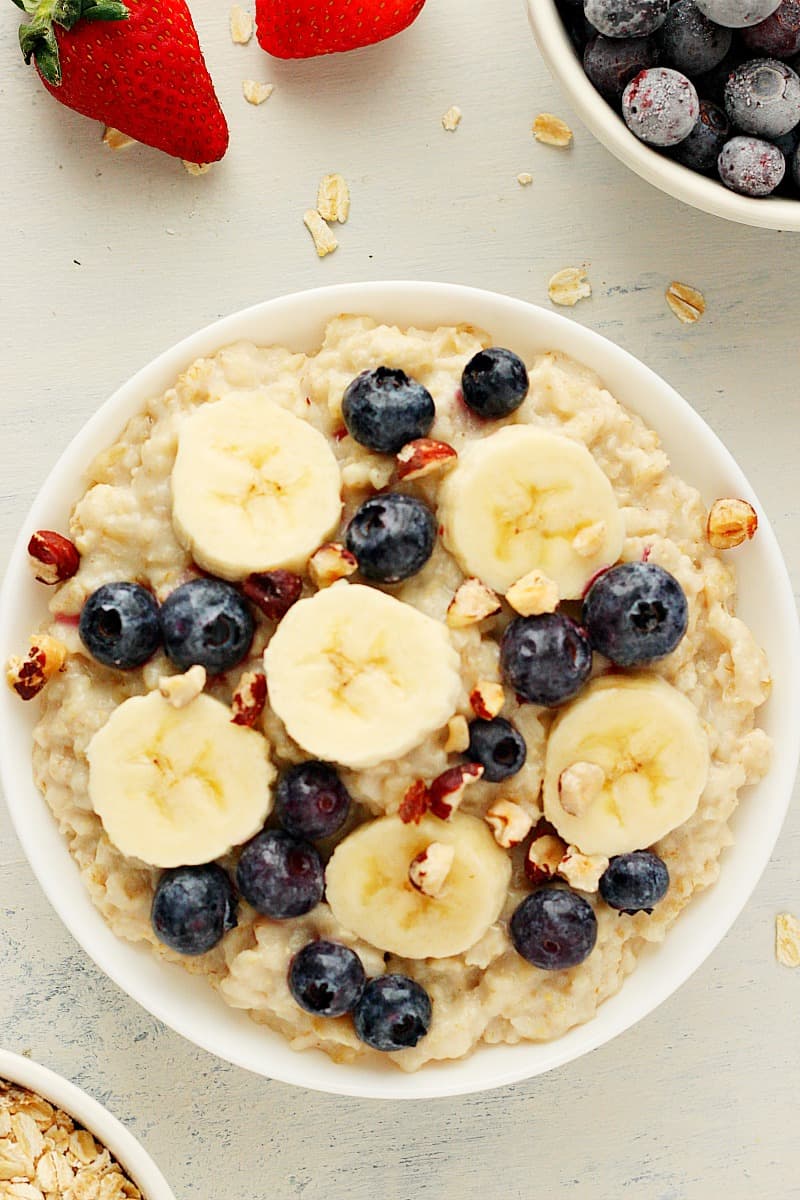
(254, 487)
(625, 764)
(358, 677)
(371, 893)
(525, 498)
(178, 786)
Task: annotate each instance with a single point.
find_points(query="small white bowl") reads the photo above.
(773, 212)
(766, 602)
(134, 1160)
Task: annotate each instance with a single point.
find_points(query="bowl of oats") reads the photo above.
(55, 1140)
(396, 668)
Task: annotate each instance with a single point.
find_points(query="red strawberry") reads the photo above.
(304, 28)
(135, 65)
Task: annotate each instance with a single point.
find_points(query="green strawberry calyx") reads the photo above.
(38, 38)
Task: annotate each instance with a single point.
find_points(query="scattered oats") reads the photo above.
(452, 119)
(569, 286)
(333, 199)
(787, 940)
(83, 1146)
(169, 232)
(241, 25)
(255, 92)
(324, 240)
(115, 140)
(524, 179)
(196, 168)
(686, 302)
(551, 130)
(53, 1172)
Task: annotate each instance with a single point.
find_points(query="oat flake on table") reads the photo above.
(787, 940)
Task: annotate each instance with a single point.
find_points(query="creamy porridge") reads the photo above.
(430, 894)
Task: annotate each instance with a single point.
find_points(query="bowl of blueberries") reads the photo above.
(699, 97)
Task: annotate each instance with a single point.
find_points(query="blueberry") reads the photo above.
(554, 928)
(691, 42)
(498, 747)
(796, 167)
(626, 18)
(736, 14)
(383, 409)
(545, 659)
(611, 63)
(311, 801)
(787, 143)
(326, 978)
(280, 875)
(779, 35)
(751, 166)
(193, 907)
(701, 149)
(635, 613)
(579, 29)
(208, 622)
(711, 84)
(119, 625)
(634, 882)
(392, 536)
(762, 97)
(494, 382)
(660, 106)
(394, 1012)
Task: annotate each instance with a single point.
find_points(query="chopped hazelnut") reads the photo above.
(330, 563)
(273, 592)
(730, 522)
(509, 822)
(582, 871)
(249, 698)
(429, 869)
(487, 699)
(53, 557)
(45, 658)
(533, 594)
(180, 690)
(543, 858)
(457, 735)
(422, 457)
(415, 803)
(579, 786)
(447, 790)
(472, 602)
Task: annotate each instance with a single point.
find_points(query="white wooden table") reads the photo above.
(109, 258)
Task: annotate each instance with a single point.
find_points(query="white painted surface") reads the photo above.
(698, 1101)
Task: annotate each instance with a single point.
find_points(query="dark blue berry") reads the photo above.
(545, 659)
(326, 978)
(311, 801)
(691, 42)
(498, 747)
(711, 84)
(193, 907)
(392, 537)
(635, 613)
(208, 622)
(611, 63)
(554, 928)
(383, 409)
(579, 29)
(280, 875)
(751, 166)
(626, 18)
(701, 149)
(119, 625)
(394, 1012)
(762, 97)
(634, 882)
(660, 106)
(494, 382)
(778, 36)
(787, 143)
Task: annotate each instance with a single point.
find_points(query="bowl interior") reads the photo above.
(774, 212)
(766, 603)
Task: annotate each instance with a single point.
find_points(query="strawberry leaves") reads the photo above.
(38, 39)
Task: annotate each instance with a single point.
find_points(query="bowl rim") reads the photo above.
(134, 969)
(92, 1115)
(698, 191)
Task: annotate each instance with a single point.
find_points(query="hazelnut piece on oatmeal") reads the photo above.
(429, 869)
(487, 699)
(533, 594)
(582, 871)
(180, 690)
(579, 786)
(45, 658)
(422, 457)
(53, 557)
(330, 563)
(457, 738)
(447, 790)
(544, 858)
(415, 803)
(249, 698)
(273, 592)
(472, 602)
(730, 522)
(509, 822)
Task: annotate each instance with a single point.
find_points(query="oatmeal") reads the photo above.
(442, 797)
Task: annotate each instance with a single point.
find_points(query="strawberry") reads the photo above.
(136, 66)
(305, 28)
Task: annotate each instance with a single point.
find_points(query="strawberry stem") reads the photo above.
(38, 38)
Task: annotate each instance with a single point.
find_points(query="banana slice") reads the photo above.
(524, 498)
(370, 894)
(253, 487)
(652, 753)
(178, 786)
(358, 677)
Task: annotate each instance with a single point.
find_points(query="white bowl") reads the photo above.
(773, 212)
(134, 1160)
(188, 1004)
